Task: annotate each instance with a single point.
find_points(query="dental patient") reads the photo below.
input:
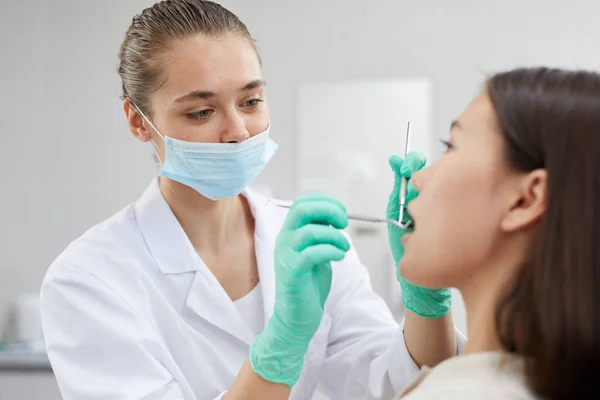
(509, 217)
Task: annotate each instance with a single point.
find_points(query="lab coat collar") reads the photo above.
(268, 222)
(174, 254)
(166, 240)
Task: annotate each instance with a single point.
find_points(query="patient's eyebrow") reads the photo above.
(455, 124)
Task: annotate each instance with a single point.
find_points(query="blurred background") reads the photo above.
(69, 162)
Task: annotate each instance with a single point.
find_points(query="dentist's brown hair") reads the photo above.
(153, 31)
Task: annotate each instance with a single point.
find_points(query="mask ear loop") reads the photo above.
(153, 127)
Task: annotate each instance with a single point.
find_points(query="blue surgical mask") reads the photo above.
(216, 170)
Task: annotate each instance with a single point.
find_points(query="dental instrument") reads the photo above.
(355, 217)
(402, 194)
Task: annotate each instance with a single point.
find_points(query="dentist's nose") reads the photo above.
(235, 130)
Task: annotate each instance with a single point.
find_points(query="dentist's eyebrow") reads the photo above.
(206, 94)
(195, 95)
(253, 85)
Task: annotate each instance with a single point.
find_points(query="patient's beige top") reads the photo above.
(482, 376)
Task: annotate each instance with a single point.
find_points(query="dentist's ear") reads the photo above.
(529, 202)
(136, 123)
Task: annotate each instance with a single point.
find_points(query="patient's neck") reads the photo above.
(481, 294)
(483, 290)
(481, 330)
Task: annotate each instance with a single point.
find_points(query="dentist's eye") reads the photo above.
(252, 103)
(202, 114)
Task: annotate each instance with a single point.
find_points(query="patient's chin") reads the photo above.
(407, 267)
(419, 270)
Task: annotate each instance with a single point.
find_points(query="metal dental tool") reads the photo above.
(364, 218)
(402, 194)
(355, 217)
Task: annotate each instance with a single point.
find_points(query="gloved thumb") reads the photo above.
(394, 200)
(396, 165)
(414, 162)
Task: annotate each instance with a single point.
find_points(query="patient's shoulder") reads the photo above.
(492, 376)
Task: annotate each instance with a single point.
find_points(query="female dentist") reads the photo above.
(168, 298)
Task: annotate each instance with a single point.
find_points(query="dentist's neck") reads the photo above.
(211, 226)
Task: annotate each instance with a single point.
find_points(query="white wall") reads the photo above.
(68, 160)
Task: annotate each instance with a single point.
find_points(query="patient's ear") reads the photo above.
(528, 204)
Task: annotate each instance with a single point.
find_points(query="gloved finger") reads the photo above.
(414, 162)
(324, 274)
(411, 192)
(311, 197)
(396, 165)
(315, 255)
(394, 199)
(316, 212)
(311, 235)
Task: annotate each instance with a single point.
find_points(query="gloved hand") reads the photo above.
(309, 241)
(424, 302)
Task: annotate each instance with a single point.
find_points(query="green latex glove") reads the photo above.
(309, 241)
(424, 302)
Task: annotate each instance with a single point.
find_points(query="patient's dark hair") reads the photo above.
(550, 119)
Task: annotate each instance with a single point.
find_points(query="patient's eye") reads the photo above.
(447, 145)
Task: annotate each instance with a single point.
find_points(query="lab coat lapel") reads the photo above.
(268, 222)
(266, 272)
(208, 300)
(175, 255)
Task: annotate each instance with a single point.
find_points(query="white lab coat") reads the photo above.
(130, 311)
